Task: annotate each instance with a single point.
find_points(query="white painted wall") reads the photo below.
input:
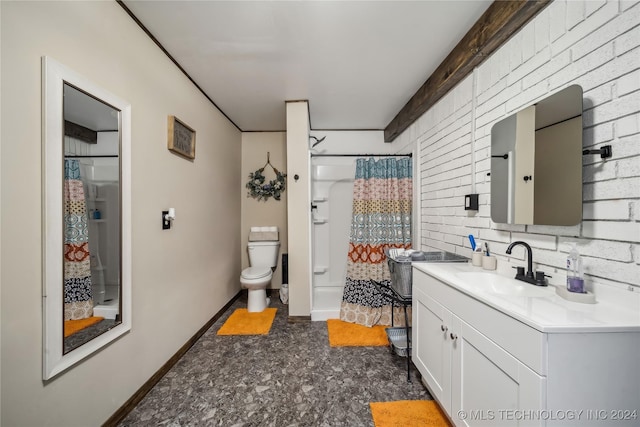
(181, 277)
(595, 44)
(298, 208)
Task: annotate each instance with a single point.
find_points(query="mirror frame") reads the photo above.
(557, 110)
(54, 75)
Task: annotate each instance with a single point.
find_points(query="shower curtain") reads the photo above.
(78, 303)
(381, 218)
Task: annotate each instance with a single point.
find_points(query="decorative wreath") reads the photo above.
(261, 191)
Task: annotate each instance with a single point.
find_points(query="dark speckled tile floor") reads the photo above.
(290, 377)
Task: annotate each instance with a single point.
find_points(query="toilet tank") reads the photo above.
(263, 254)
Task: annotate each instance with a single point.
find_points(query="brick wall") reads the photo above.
(595, 44)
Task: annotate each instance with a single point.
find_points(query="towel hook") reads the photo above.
(604, 151)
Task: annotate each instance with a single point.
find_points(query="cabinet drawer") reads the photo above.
(523, 342)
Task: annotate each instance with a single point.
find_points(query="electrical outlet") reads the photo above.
(471, 202)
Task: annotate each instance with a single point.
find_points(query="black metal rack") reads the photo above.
(395, 298)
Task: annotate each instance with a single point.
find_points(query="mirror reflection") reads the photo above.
(536, 162)
(86, 217)
(91, 229)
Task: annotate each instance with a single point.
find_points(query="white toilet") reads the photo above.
(263, 258)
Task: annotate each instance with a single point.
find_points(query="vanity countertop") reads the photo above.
(539, 307)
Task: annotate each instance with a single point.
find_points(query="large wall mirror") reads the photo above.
(86, 217)
(536, 162)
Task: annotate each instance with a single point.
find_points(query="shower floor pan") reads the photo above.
(108, 310)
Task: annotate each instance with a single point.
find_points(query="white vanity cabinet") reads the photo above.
(488, 368)
(465, 370)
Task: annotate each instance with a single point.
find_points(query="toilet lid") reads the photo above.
(256, 272)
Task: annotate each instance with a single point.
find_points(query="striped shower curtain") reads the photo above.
(382, 196)
(78, 303)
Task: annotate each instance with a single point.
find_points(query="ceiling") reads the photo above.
(356, 62)
(87, 111)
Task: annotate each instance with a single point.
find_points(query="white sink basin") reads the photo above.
(495, 284)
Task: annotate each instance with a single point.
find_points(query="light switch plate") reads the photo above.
(166, 224)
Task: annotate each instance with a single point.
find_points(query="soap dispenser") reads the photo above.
(575, 281)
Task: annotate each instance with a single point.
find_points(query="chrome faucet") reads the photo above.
(537, 278)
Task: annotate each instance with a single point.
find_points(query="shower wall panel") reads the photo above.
(332, 195)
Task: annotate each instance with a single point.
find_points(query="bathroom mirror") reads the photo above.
(86, 217)
(536, 162)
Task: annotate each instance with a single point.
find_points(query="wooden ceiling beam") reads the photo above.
(496, 25)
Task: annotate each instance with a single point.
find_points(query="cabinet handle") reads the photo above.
(443, 328)
(453, 336)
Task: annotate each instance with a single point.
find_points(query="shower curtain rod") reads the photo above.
(361, 155)
(86, 156)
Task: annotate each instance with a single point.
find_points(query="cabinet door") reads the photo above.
(431, 351)
(489, 387)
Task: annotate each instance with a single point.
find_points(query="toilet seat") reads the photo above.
(252, 273)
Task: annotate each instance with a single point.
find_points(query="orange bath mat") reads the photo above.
(241, 322)
(73, 326)
(408, 413)
(345, 334)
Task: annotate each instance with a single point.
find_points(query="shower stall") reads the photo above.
(332, 180)
(331, 202)
(332, 165)
(100, 178)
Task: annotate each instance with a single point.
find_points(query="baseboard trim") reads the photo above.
(131, 403)
(298, 319)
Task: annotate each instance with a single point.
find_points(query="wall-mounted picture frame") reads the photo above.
(181, 138)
